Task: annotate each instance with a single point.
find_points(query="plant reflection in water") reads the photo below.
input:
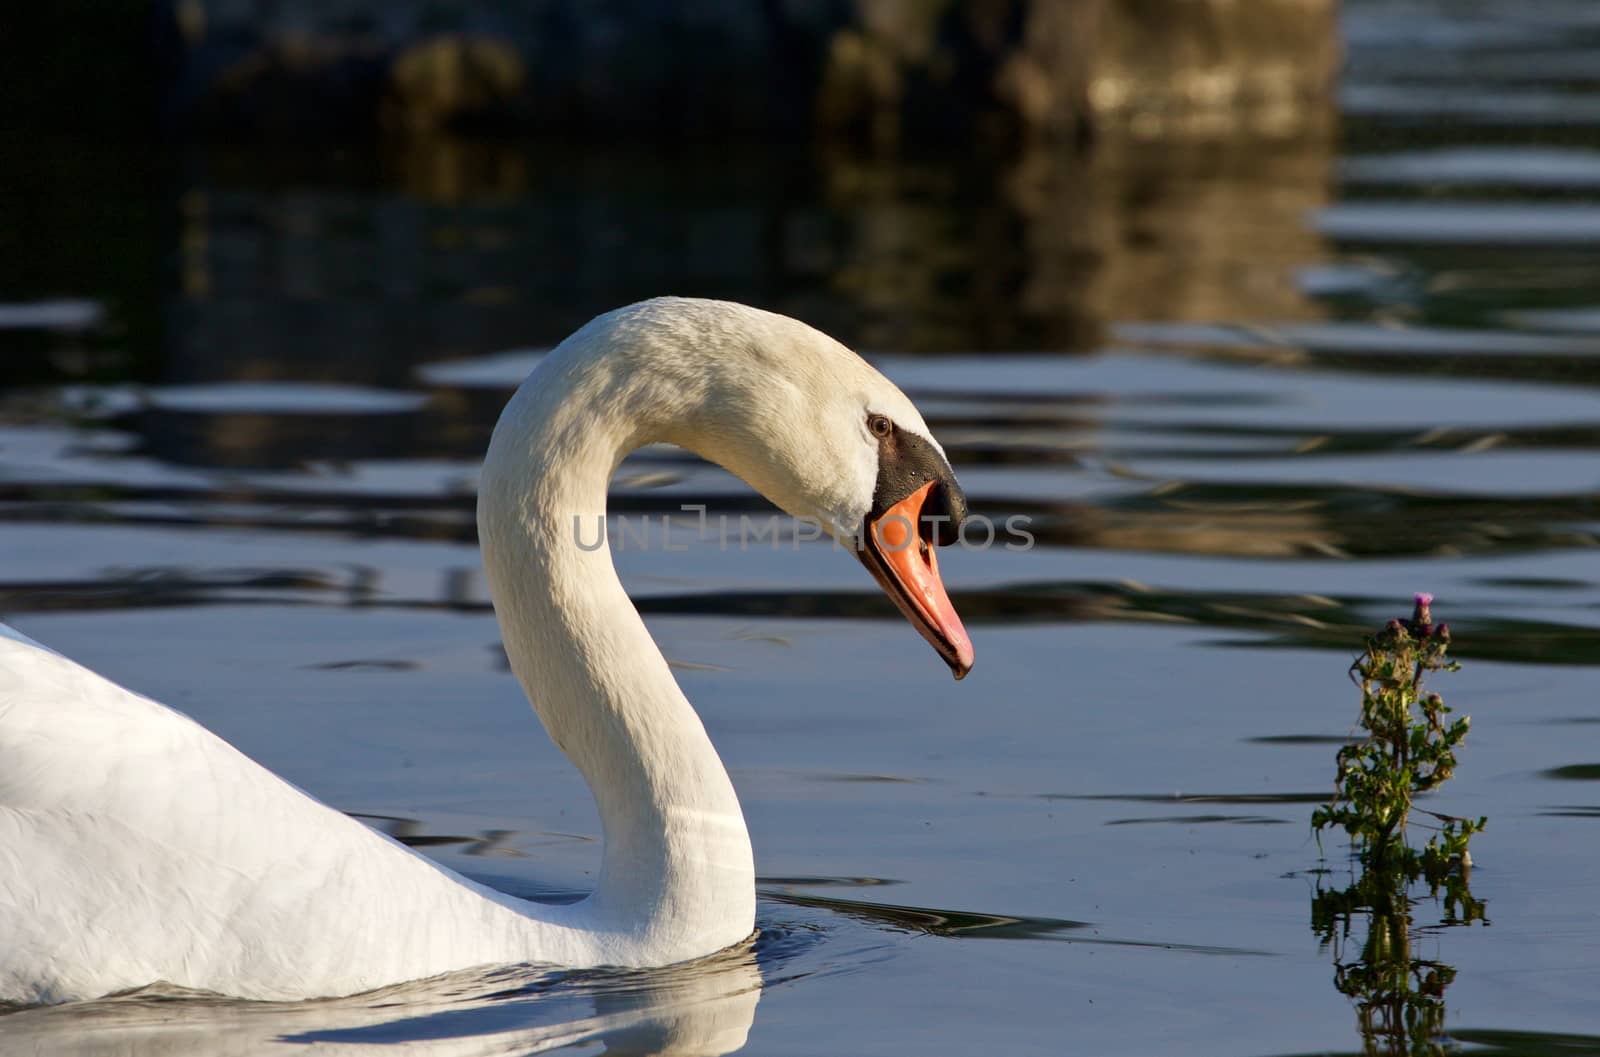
(1399, 997)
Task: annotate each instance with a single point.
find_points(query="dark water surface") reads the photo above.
(1251, 391)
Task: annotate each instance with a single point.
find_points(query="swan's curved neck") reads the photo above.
(677, 862)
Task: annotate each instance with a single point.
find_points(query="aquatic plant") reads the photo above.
(1409, 749)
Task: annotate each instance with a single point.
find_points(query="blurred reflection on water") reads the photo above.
(356, 265)
(348, 268)
(703, 1010)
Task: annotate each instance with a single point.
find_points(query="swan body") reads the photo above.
(136, 846)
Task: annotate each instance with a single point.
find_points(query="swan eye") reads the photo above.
(880, 425)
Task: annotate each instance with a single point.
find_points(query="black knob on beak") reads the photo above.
(943, 513)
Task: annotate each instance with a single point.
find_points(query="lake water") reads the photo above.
(1252, 391)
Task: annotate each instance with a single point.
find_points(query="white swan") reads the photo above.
(136, 846)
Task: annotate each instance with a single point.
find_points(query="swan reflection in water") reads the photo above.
(700, 1009)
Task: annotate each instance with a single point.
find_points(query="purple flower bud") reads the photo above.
(1443, 631)
(1421, 616)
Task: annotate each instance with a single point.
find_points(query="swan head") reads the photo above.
(916, 506)
(826, 437)
(801, 418)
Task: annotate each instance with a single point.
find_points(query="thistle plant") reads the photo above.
(1409, 749)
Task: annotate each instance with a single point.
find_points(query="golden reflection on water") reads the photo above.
(357, 267)
(1043, 250)
(1212, 230)
(1033, 251)
(1256, 532)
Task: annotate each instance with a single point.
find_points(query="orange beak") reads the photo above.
(907, 569)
